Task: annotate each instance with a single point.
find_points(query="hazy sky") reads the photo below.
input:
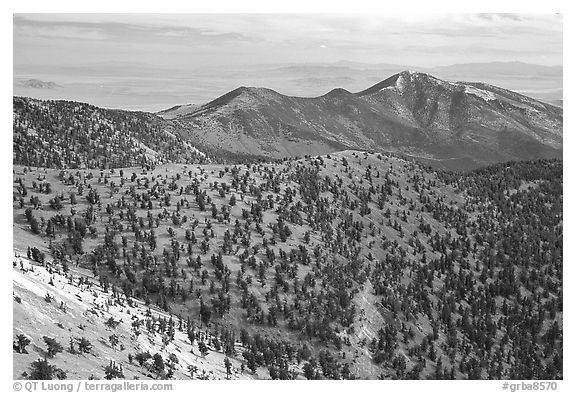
(212, 39)
(96, 48)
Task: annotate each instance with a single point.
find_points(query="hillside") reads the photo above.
(66, 134)
(459, 125)
(73, 308)
(177, 111)
(347, 265)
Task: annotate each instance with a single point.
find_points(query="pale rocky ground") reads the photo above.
(83, 314)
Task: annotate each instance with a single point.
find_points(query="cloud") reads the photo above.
(25, 28)
(495, 17)
(113, 29)
(190, 41)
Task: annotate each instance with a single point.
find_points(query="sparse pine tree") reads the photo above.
(21, 343)
(53, 346)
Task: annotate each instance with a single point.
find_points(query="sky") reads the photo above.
(149, 60)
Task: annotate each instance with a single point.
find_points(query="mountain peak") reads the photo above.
(337, 92)
(398, 81)
(411, 74)
(412, 112)
(386, 83)
(230, 96)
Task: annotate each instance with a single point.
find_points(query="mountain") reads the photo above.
(496, 69)
(177, 111)
(154, 89)
(66, 134)
(558, 103)
(541, 82)
(460, 125)
(36, 84)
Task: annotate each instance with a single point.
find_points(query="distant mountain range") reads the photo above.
(447, 124)
(135, 86)
(458, 125)
(36, 84)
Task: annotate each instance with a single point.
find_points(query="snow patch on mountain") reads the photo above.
(401, 83)
(483, 94)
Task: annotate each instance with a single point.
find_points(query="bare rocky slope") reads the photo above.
(71, 306)
(459, 125)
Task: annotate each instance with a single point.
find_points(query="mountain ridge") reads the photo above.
(410, 112)
(446, 124)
